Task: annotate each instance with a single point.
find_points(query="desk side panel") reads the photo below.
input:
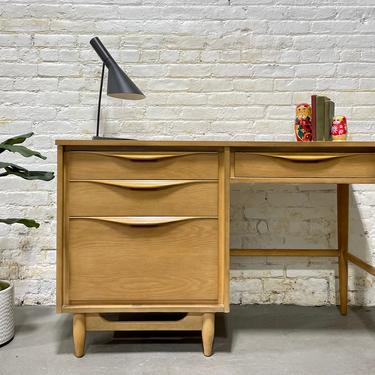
(224, 220)
(60, 228)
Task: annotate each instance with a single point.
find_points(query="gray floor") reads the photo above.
(255, 339)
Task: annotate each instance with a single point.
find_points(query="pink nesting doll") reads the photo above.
(302, 125)
(339, 129)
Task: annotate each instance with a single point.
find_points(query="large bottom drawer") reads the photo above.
(143, 260)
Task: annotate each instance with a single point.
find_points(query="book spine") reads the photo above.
(326, 129)
(313, 117)
(331, 116)
(320, 122)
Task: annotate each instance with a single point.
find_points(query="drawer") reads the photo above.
(143, 260)
(272, 165)
(142, 197)
(148, 165)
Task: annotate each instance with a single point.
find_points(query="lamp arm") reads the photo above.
(99, 102)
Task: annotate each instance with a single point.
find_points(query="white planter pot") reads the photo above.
(7, 322)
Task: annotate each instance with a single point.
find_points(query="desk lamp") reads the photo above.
(119, 85)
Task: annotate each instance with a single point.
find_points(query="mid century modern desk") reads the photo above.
(143, 226)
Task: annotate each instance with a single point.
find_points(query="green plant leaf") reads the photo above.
(12, 146)
(16, 170)
(24, 151)
(3, 285)
(30, 223)
(17, 139)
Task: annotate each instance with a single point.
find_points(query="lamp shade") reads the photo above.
(119, 84)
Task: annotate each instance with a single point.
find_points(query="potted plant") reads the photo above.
(7, 322)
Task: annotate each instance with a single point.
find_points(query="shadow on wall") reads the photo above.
(361, 244)
(296, 216)
(28, 261)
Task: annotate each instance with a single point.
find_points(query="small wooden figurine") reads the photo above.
(302, 125)
(339, 129)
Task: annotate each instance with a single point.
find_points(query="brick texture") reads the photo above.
(214, 69)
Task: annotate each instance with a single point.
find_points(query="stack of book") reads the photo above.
(323, 111)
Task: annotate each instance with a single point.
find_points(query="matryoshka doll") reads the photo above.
(339, 129)
(302, 125)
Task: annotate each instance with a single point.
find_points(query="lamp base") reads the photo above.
(97, 137)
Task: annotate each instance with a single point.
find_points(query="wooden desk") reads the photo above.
(143, 226)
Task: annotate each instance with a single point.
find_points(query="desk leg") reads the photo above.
(79, 334)
(342, 240)
(208, 333)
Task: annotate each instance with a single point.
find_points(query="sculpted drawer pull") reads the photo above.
(146, 157)
(306, 157)
(144, 221)
(144, 184)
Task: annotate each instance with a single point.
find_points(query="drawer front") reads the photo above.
(142, 197)
(248, 164)
(143, 260)
(112, 165)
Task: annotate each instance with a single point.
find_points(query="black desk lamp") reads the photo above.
(119, 84)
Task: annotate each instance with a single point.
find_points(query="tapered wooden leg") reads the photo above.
(79, 334)
(208, 333)
(342, 240)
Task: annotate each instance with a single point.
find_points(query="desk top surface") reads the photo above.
(245, 145)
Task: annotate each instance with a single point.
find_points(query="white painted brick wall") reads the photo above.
(213, 69)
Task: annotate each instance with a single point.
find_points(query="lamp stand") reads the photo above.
(99, 105)
(97, 136)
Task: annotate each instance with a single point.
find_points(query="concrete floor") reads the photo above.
(265, 340)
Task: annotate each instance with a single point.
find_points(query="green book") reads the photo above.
(331, 115)
(325, 110)
(329, 111)
(326, 120)
(320, 117)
